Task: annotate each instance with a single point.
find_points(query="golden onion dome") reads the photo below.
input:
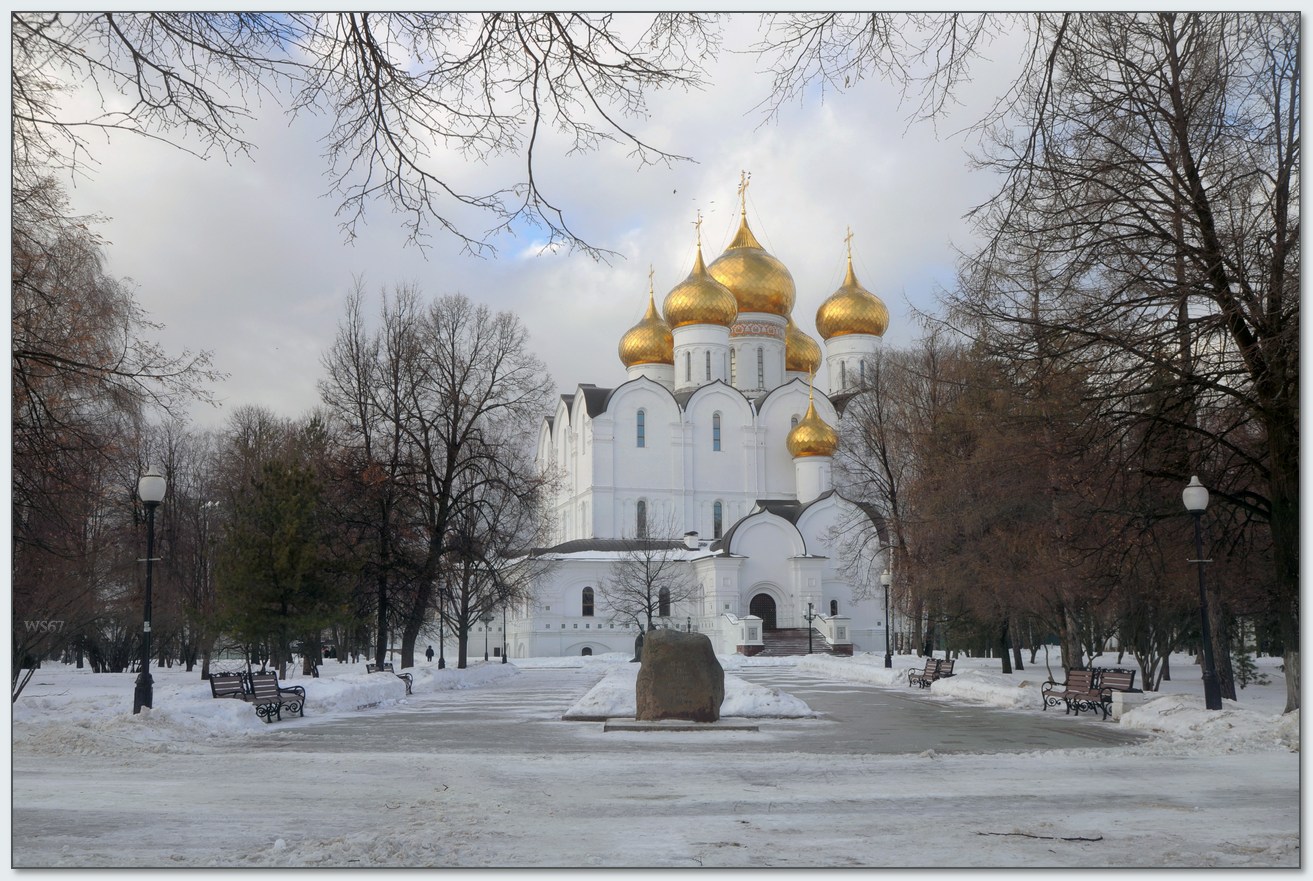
(802, 354)
(852, 309)
(650, 340)
(699, 299)
(760, 282)
(811, 436)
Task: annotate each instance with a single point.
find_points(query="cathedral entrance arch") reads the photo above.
(763, 606)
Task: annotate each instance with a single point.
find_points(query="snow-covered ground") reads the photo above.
(94, 785)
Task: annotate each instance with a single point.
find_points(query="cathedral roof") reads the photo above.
(851, 309)
(700, 299)
(789, 509)
(649, 341)
(759, 281)
(611, 546)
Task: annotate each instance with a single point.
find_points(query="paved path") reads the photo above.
(522, 715)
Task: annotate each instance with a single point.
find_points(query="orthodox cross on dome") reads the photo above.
(650, 273)
(744, 180)
(848, 240)
(697, 224)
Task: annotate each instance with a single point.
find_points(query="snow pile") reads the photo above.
(614, 697)
(1230, 729)
(69, 711)
(865, 668)
(603, 660)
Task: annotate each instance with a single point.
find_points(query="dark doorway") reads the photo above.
(763, 606)
(587, 651)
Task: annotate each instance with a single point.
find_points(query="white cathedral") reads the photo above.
(717, 446)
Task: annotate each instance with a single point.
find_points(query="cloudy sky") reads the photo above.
(246, 259)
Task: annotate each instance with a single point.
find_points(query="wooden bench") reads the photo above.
(1115, 679)
(934, 669)
(387, 668)
(262, 691)
(269, 697)
(1079, 692)
(924, 677)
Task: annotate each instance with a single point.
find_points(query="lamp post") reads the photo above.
(887, 578)
(1195, 497)
(486, 618)
(150, 489)
(811, 616)
(504, 603)
(688, 627)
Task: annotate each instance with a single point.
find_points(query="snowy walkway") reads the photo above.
(490, 776)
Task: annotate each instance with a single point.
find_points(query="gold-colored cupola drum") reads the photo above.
(699, 299)
(759, 282)
(812, 436)
(802, 354)
(852, 308)
(650, 340)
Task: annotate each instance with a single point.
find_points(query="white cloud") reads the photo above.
(248, 259)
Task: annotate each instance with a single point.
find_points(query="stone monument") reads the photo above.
(680, 678)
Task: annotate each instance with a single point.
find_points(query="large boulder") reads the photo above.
(680, 678)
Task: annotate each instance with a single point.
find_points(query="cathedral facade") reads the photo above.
(717, 451)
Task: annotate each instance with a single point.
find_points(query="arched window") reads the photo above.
(642, 428)
(708, 365)
(793, 420)
(761, 367)
(717, 519)
(587, 651)
(688, 366)
(588, 602)
(663, 602)
(834, 608)
(733, 369)
(843, 374)
(715, 432)
(640, 523)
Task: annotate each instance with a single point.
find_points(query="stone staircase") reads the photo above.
(793, 641)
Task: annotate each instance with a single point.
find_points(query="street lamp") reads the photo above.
(150, 489)
(887, 578)
(811, 616)
(486, 618)
(688, 627)
(1195, 497)
(504, 604)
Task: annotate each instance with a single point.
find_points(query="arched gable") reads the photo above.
(718, 397)
(765, 536)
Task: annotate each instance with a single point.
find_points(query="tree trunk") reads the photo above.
(1004, 655)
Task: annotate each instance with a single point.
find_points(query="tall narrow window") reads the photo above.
(642, 428)
(663, 602)
(861, 366)
(588, 602)
(717, 519)
(715, 432)
(761, 367)
(640, 520)
(733, 369)
(843, 374)
(708, 365)
(688, 366)
(834, 608)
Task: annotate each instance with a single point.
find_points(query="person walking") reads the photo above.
(429, 654)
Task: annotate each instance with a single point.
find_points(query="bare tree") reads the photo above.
(650, 579)
(399, 90)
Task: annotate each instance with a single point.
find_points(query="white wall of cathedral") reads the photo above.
(757, 343)
(663, 374)
(849, 360)
(701, 355)
(645, 449)
(813, 476)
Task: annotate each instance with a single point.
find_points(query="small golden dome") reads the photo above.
(811, 436)
(650, 340)
(802, 354)
(760, 282)
(852, 309)
(699, 299)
